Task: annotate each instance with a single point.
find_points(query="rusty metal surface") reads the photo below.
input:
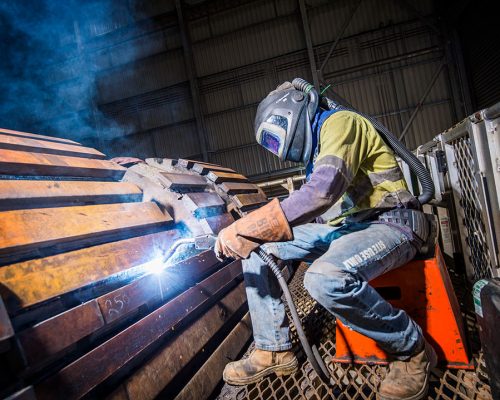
(37, 136)
(204, 204)
(208, 376)
(63, 330)
(17, 194)
(23, 231)
(55, 334)
(183, 181)
(355, 381)
(47, 147)
(188, 164)
(30, 282)
(237, 188)
(86, 309)
(156, 287)
(23, 163)
(153, 377)
(248, 201)
(221, 176)
(204, 169)
(84, 374)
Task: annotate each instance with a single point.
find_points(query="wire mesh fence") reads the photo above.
(477, 249)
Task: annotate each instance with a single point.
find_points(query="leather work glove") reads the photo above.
(266, 224)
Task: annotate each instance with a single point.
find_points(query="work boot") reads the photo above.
(409, 379)
(258, 365)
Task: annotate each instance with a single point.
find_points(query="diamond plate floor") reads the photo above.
(360, 381)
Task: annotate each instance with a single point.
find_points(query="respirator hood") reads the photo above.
(283, 123)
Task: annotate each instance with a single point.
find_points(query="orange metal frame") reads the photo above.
(423, 289)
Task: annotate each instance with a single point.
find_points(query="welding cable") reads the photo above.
(312, 353)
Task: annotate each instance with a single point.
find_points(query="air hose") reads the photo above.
(311, 352)
(399, 148)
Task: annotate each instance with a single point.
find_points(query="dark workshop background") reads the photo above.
(175, 79)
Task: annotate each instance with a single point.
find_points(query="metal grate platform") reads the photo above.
(357, 381)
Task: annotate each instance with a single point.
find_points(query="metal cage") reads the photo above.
(464, 163)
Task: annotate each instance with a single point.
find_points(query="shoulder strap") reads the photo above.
(316, 126)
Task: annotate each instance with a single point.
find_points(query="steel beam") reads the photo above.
(193, 81)
(424, 19)
(340, 35)
(457, 77)
(422, 99)
(309, 44)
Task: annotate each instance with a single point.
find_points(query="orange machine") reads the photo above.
(423, 289)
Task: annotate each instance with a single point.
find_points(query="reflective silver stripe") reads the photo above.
(338, 163)
(391, 175)
(393, 199)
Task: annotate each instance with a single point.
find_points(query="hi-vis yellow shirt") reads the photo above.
(355, 175)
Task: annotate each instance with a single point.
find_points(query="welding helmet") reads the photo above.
(283, 121)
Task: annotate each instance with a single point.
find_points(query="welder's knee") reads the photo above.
(329, 285)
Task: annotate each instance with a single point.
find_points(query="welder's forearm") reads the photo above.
(315, 197)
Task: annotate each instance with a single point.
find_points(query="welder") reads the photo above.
(338, 222)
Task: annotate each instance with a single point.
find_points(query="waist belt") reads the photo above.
(416, 220)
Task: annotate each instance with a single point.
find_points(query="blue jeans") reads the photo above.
(343, 260)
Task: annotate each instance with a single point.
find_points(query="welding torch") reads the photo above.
(203, 242)
(206, 242)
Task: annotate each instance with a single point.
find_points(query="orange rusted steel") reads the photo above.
(238, 187)
(37, 136)
(184, 162)
(48, 147)
(150, 380)
(249, 201)
(204, 169)
(16, 194)
(23, 163)
(34, 281)
(23, 231)
(424, 290)
(78, 378)
(220, 176)
(183, 182)
(55, 334)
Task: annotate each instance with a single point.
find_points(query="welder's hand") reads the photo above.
(266, 224)
(222, 251)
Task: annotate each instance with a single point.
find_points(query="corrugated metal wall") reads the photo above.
(242, 50)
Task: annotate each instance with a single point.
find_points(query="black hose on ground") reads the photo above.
(311, 352)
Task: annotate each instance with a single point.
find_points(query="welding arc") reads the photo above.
(311, 352)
